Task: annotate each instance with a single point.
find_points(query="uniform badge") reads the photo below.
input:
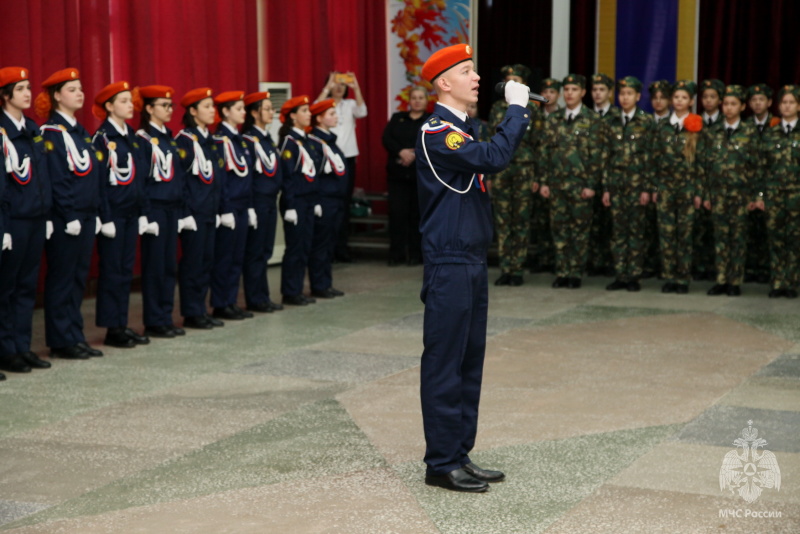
(87, 139)
(112, 145)
(99, 155)
(255, 138)
(173, 143)
(38, 139)
(154, 140)
(182, 153)
(135, 144)
(194, 137)
(287, 154)
(48, 146)
(63, 128)
(454, 140)
(221, 163)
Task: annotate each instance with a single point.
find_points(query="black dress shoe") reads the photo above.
(216, 323)
(275, 306)
(790, 294)
(33, 360)
(198, 323)
(515, 280)
(117, 337)
(734, 291)
(162, 331)
(616, 285)
(139, 340)
(70, 353)
(228, 312)
(177, 330)
(574, 283)
(669, 287)
(336, 292)
(717, 289)
(413, 262)
(483, 474)
(395, 263)
(94, 353)
(634, 286)
(2, 377)
(14, 363)
(324, 294)
(681, 289)
(776, 293)
(310, 300)
(457, 480)
(295, 300)
(504, 280)
(245, 314)
(560, 281)
(260, 308)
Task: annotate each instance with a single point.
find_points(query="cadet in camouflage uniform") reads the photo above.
(678, 181)
(731, 160)
(759, 99)
(572, 153)
(511, 188)
(627, 183)
(660, 94)
(781, 157)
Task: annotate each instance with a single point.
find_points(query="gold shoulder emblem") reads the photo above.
(48, 146)
(99, 155)
(454, 140)
(154, 140)
(112, 145)
(287, 154)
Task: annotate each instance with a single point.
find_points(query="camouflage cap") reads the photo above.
(759, 89)
(660, 85)
(789, 89)
(517, 70)
(685, 85)
(551, 83)
(716, 85)
(630, 81)
(736, 90)
(575, 79)
(603, 79)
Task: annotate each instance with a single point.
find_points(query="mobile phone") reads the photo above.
(344, 78)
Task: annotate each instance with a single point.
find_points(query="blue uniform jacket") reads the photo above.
(76, 178)
(332, 184)
(127, 197)
(28, 193)
(237, 178)
(202, 172)
(161, 151)
(296, 183)
(3, 200)
(267, 176)
(457, 228)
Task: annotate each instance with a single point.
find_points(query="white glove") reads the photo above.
(290, 216)
(109, 230)
(6, 242)
(219, 221)
(142, 224)
(516, 93)
(48, 229)
(252, 218)
(98, 225)
(73, 227)
(180, 225)
(187, 223)
(152, 228)
(318, 210)
(228, 221)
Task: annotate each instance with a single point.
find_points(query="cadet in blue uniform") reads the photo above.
(76, 175)
(203, 167)
(456, 226)
(299, 198)
(121, 212)
(236, 207)
(5, 238)
(332, 180)
(267, 180)
(163, 189)
(28, 200)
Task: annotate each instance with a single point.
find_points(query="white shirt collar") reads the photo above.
(673, 119)
(629, 115)
(784, 123)
(460, 114)
(162, 129)
(203, 131)
(72, 121)
(603, 110)
(263, 133)
(298, 130)
(761, 122)
(232, 129)
(660, 117)
(713, 117)
(19, 124)
(123, 130)
(735, 125)
(574, 112)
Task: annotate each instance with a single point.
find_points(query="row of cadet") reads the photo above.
(622, 192)
(62, 189)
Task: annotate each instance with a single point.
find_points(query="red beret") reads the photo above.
(292, 103)
(322, 106)
(252, 98)
(229, 96)
(64, 75)
(445, 59)
(195, 95)
(105, 95)
(12, 75)
(156, 91)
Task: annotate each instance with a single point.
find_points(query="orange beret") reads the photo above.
(252, 98)
(322, 106)
(292, 103)
(106, 94)
(229, 96)
(156, 91)
(445, 59)
(195, 95)
(12, 75)
(63, 75)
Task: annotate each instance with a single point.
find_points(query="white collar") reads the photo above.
(713, 117)
(603, 110)
(784, 124)
(673, 119)
(458, 113)
(19, 124)
(203, 131)
(263, 133)
(72, 121)
(162, 129)
(233, 130)
(574, 112)
(763, 122)
(629, 115)
(299, 131)
(735, 125)
(123, 130)
(660, 117)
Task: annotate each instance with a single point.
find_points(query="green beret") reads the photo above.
(630, 81)
(716, 85)
(551, 83)
(517, 70)
(789, 89)
(759, 89)
(685, 85)
(575, 79)
(660, 85)
(737, 91)
(601, 78)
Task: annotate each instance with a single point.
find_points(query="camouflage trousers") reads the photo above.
(541, 236)
(511, 199)
(628, 245)
(703, 242)
(570, 222)
(652, 258)
(729, 213)
(676, 216)
(600, 255)
(757, 244)
(783, 229)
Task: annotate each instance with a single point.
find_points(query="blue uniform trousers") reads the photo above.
(116, 272)
(298, 247)
(19, 274)
(68, 261)
(160, 267)
(323, 244)
(456, 305)
(197, 261)
(258, 251)
(228, 261)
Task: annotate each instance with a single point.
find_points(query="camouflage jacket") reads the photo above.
(672, 171)
(572, 155)
(752, 120)
(629, 154)
(526, 151)
(781, 158)
(613, 114)
(732, 162)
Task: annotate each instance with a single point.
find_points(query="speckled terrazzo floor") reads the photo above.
(609, 412)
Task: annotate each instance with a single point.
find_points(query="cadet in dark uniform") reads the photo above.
(456, 232)
(28, 201)
(77, 178)
(5, 238)
(121, 212)
(660, 94)
(204, 167)
(267, 180)
(600, 257)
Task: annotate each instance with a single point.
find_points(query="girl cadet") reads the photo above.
(678, 186)
(267, 180)
(203, 167)
(27, 200)
(121, 212)
(332, 179)
(236, 207)
(76, 175)
(163, 190)
(299, 199)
